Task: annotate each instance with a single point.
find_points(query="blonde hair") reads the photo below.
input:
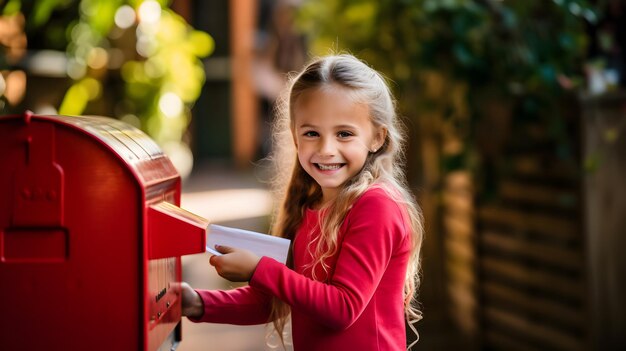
(383, 168)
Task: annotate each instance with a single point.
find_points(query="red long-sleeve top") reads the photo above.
(358, 305)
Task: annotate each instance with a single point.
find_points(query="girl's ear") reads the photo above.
(379, 139)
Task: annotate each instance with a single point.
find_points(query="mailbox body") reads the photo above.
(90, 236)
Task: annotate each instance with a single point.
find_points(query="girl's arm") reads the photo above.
(375, 232)
(241, 306)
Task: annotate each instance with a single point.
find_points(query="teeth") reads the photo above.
(329, 167)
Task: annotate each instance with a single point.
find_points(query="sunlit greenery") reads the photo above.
(449, 60)
(143, 44)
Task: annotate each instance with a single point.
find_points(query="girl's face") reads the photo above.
(333, 134)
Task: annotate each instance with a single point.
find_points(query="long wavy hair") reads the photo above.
(383, 168)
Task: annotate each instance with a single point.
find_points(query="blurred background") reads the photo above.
(515, 109)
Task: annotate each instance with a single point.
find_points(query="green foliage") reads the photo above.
(448, 57)
(524, 42)
(154, 52)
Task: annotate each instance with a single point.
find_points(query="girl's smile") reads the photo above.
(329, 167)
(334, 134)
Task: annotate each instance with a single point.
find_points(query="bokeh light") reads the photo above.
(125, 17)
(170, 105)
(149, 12)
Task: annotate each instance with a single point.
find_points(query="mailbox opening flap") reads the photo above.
(172, 231)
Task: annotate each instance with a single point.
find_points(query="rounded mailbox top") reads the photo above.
(138, 151)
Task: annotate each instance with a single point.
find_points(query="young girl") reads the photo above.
(356, 231)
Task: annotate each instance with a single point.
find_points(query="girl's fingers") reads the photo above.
(223, 249)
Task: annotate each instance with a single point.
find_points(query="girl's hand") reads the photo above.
(192, 305)
(236, 265)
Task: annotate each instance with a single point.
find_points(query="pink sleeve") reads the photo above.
(241, 306)
(374, 229)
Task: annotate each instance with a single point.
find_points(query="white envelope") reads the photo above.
(259, 243)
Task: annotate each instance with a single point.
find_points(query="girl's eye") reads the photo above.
(310, 134)
(344, 134)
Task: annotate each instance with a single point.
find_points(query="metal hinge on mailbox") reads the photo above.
(38, 180)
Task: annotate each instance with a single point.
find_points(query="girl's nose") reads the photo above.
(327, 147)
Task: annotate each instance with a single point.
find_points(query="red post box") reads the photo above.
(91, 236)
